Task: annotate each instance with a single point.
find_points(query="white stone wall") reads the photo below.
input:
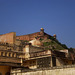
(62, 71)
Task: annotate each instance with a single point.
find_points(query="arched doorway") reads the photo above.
(0, 73)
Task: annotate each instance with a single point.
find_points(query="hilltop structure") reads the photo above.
(37, 35)
(32, 51)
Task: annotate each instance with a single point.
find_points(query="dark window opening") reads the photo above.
(54, 61)
(8, 73)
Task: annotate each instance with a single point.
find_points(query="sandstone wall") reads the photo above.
(8, 38)
(68, 70)
(28, 37)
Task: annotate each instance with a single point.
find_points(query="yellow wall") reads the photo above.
(4, 69)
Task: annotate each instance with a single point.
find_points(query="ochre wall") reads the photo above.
(8, 38)
(4, 69)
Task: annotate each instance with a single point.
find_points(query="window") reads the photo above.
(9, 54)
(33, 61)
(1, 53)
(54, 61)
(13, 55)
(5, 54)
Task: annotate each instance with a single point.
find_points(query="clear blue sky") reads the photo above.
(28, 16)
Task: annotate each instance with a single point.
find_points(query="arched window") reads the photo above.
(14, 54)
(6, 54)
(0, 73)
(8, 73)
(9, 54)
(1, 53)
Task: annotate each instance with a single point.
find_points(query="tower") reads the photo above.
(42, 32)
(54, 36)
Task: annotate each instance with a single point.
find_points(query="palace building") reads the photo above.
(32, 51)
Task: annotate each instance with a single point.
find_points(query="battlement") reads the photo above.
(30, 37)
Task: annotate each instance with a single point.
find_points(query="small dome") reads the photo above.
(54, 35)
(42, 29)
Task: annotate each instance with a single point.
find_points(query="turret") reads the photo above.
(54, 36)
(42, 31)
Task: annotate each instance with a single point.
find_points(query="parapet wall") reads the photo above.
(8, 38)
(28, 37)
(64, 70)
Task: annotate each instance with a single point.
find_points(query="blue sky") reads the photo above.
(28, 16)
